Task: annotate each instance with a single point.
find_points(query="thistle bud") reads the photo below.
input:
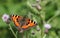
(38, 28)
(33, 33)
(37, 1)
(38, 7)
(46, 31)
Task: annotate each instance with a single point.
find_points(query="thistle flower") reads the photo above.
(47, 26)
(5, 18)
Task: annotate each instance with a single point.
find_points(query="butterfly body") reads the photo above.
(22, 23)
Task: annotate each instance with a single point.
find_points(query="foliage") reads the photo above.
(49, 13)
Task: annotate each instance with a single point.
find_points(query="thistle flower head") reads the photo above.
(47, 26)
(5, 18)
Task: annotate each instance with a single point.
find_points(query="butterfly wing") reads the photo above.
(16, 20)
(29, 23)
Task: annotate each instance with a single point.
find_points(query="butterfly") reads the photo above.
(22, 23)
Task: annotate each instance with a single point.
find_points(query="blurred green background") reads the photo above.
(50, 13)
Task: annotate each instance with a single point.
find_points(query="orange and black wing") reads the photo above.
(29, 23)
(16, 20)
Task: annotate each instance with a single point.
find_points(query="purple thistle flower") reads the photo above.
(5, 18)
(47, 26)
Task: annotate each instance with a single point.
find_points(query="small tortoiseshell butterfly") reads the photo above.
(22, 23)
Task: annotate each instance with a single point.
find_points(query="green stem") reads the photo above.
(12, 31)
(44, 36)
(23, 35)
